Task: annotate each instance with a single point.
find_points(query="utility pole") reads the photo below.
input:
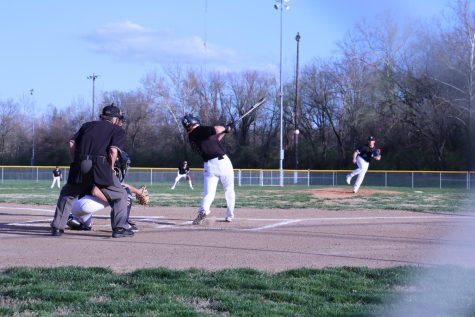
(34, 130)
(280, 5)
(296, 113)
(93, 77)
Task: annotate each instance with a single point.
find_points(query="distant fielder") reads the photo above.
(362, 156)
(57, 175)
(183, 172)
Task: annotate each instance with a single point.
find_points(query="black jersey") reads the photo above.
(183, 169)
(93, 142)
(365, 152)
(203, 140)
(56, 173)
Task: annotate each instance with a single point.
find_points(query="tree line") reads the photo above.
(412, 88)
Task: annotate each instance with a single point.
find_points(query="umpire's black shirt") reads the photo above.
(203, 140)
(94, 140)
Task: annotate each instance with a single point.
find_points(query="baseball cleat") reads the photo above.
(228, 219)
(199, 219)
(133, 226)
(56, 232)
(73, 224)
(121, 233)
(348, 179)
(355, 191)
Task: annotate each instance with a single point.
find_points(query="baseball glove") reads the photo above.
(376, 152)
(143, 198)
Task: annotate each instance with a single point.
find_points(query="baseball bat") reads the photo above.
(253, 108)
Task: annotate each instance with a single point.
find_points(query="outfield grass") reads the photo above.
(423, 200)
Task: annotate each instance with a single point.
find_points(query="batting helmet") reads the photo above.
(122, 164)
(189, 120)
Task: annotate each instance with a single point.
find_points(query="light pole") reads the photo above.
(280, 5)
(296, 124)
(93, 77)
(34, 131)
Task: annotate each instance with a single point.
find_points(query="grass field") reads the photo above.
(75, 291)
(243, 292)
(424, 200)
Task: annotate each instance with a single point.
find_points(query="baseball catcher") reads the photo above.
(362, 156)
(84, 207)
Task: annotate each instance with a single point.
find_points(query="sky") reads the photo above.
(52, 46)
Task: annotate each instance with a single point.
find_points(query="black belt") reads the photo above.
(219, 157)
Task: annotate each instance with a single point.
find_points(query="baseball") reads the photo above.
(297, 131)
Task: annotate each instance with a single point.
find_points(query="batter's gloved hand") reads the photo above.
(228, 127)
(143, 198)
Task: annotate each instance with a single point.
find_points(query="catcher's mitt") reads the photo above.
(143, 198)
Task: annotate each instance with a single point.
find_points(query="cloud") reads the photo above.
(132, 42)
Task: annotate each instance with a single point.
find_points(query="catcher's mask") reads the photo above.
(189, 121)
(122, 164)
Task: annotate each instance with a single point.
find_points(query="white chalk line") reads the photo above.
(24, 208)
(187, 224)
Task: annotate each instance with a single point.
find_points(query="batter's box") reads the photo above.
(158, 222)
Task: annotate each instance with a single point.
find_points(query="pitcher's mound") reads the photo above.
(333, 192)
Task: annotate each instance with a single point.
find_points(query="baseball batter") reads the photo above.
(362, 156)
(183, 172)
(205, 140)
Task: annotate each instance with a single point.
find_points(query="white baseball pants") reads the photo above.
(180, 176)
(56, 179)
(360, 171)
(218, 170)
(83, 209)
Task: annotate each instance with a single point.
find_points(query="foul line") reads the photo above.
(23, 208)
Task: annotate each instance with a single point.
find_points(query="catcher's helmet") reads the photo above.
(189, 120)
(122, 164)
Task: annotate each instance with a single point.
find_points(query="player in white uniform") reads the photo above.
(205, 140)
(183, 172)
(57, 175)
(362, 156)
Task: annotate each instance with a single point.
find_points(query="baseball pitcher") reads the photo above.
(361, 157)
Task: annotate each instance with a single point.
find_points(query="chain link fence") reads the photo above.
(255, 177)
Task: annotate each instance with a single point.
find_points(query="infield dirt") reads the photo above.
(265, 239)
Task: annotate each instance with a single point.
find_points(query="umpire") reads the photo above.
(94, 149)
